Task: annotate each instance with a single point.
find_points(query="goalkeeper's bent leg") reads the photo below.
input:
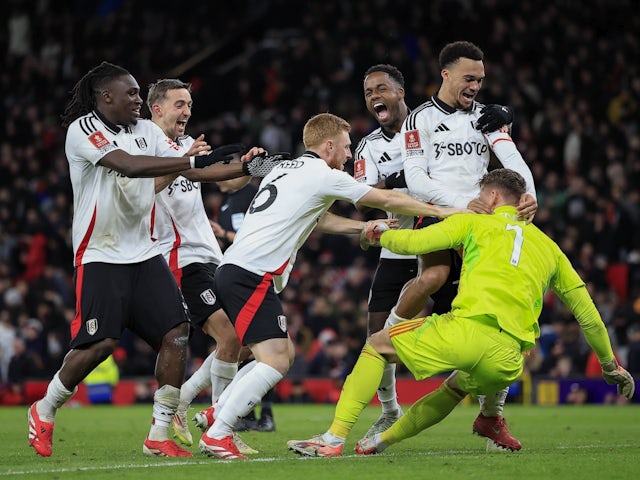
(424, 413)
(492, 405)
(358, 390)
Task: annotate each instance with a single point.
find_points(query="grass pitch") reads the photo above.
(567, 442)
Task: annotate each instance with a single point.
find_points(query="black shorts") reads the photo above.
(142, 297)
(197, 284)
(391, 275)
(251, 303)
(442, 298)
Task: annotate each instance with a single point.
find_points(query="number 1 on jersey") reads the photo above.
(517, 244)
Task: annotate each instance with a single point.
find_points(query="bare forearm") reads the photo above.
(335, 224)
(216, 172)
(136, 166)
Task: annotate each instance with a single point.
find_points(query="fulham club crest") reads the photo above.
(208, 297)
(282, 322)
(92, 326)
(142, 143)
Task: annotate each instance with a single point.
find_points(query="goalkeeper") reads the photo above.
(507, 267)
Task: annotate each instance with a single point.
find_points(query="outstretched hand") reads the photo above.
(260, 165)
(371, 233)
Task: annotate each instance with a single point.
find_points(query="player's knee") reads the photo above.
(102, 349)
(381, 342)
(177, 337)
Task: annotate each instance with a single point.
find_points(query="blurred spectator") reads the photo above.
(633, 352)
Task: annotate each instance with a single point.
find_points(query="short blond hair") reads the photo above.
(322, 127)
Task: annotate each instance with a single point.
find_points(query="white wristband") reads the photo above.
(192, 161)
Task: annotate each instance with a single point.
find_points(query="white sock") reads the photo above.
(222, 399)
(244, 395)
(221, 375)
(57, 394)
(165, 403)
(492, 405)
(387, 389)
(393, 319)
(200, 380)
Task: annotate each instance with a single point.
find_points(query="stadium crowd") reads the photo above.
(259, 70)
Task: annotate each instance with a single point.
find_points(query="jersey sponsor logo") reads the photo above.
(142, 143)
(183, 185)
(208, 297)
(282, 322)
(412, 140)
(99, 140)
(460, 149)
(92, 326)
(359, 170)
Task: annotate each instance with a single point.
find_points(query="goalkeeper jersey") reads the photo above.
(507, 267)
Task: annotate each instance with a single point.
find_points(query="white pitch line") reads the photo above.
(274, 459)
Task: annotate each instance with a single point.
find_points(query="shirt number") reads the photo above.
(517, 244)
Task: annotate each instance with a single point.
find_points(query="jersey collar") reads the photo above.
(309, 153)
(387, 135)
(508, 211)
(448, 108)
(112, 127)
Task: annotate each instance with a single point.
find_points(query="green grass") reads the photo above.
(586, 442)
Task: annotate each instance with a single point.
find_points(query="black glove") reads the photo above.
(395, 180)
(494, 117)
(262, 164)
(222, 154)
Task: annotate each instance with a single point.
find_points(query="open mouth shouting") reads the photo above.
(382, 113)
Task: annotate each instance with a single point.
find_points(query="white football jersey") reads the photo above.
(284, 211)
(112, 213)
(377, 156)
(445, 156)
(181, 225)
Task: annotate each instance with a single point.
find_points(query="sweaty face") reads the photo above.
(174, 112)
(339, 151)
(120, 101)
(461, 83)
(383, 96)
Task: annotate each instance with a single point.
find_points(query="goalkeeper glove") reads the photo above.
(262, 164)
(223, 154)
(494, 117)
(371, 233)
(614, 374)
(395, 180)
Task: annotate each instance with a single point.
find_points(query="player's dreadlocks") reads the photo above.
(84, 92)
